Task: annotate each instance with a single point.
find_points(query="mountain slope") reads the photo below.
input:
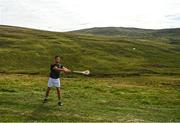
(25, 50)
(114, 31)
(133, 32)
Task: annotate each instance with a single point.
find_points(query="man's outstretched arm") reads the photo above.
(64, 69)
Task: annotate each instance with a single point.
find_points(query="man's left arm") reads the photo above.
(66, 69)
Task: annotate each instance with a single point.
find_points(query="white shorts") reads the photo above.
(54, 82)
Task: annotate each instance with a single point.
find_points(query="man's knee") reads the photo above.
(58, 88)
(49, 88)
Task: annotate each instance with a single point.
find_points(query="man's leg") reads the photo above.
(59, 96)
(47, 91)
(58, 93)
(47, 94)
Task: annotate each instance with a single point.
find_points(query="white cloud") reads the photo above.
(64, 15)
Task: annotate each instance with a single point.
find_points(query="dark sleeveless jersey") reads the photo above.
(53, 73)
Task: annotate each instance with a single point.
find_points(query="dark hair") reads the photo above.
(56, 57)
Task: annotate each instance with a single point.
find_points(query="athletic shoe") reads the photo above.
(45, 100)
(60, 103)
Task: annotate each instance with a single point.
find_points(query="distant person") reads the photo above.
(54, 79)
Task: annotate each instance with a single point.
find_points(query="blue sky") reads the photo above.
(66, 15)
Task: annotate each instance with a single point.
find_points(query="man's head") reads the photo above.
(57, 59)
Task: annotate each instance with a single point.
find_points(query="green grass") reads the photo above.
(129, 32)
(31, 51)
(143, 98)
(125, 84)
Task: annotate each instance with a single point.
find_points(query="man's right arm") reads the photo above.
(57, 69)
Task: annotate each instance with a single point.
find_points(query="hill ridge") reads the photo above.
(24, 50)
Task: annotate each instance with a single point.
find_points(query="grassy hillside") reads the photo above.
(151, 95)
(114, 31)
(25, 50)
(129, 32)
(135, 99)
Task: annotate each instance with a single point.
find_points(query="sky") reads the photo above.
(67, 15)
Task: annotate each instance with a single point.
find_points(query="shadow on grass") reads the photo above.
(41, 112)
(7, 90)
